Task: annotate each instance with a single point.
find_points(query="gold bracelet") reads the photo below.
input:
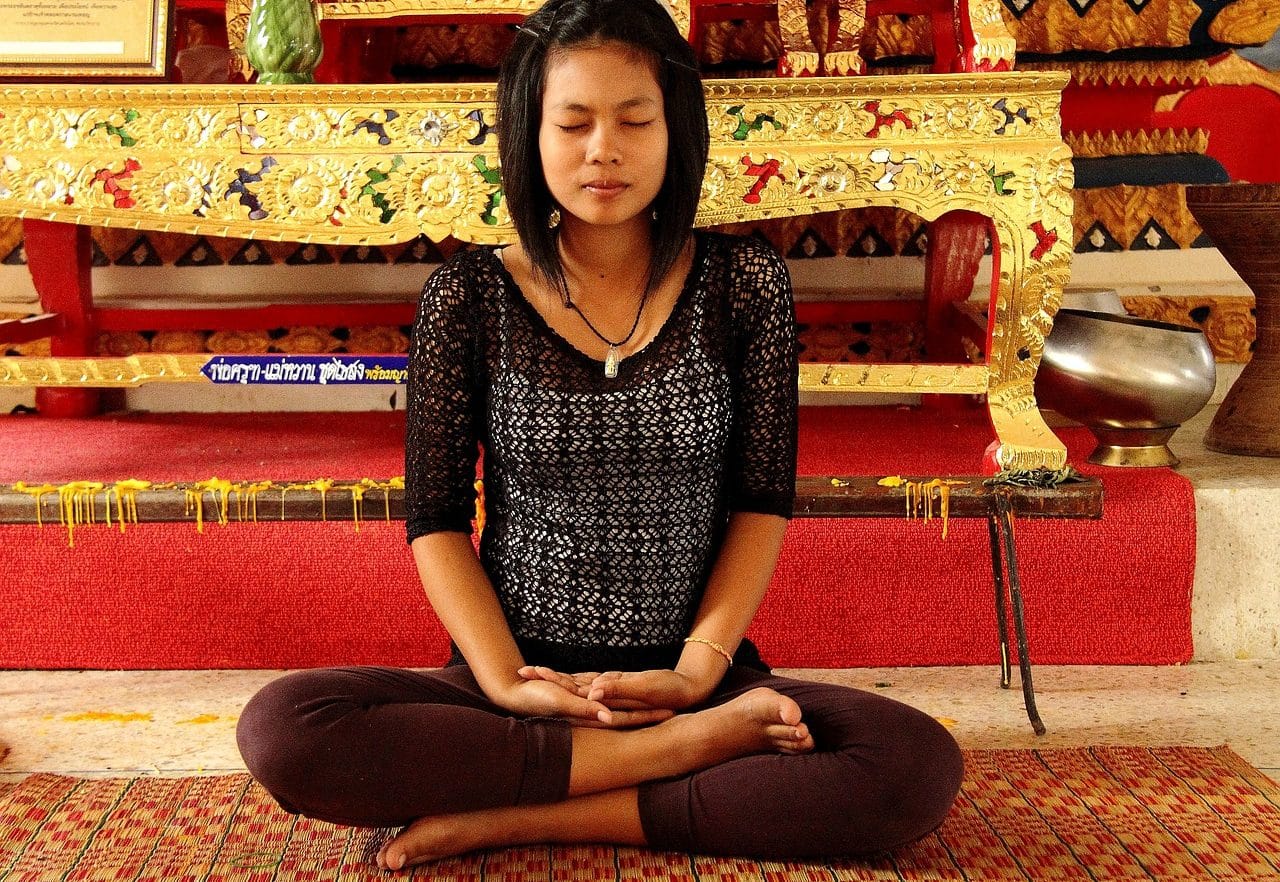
(716, 646)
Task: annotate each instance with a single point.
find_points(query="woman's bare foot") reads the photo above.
(759, 721)
(433, 838)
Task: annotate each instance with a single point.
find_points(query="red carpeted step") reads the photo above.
(848, 592)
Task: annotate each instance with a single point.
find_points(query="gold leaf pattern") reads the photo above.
(238, 342)
(1246, 22)
(1156, 142)
(1228, 322)
(178, 342)
(307, 340)
(1126, 210)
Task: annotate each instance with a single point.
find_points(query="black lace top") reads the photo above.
(606, 499)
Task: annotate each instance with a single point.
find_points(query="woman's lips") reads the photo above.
(604, 188)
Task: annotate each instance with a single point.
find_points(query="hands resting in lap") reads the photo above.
(611, 700)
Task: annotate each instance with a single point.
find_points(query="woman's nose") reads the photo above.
(603, 146)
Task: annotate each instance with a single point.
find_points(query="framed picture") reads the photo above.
(84, 39)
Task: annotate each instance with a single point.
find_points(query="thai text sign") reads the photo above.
(307, 370)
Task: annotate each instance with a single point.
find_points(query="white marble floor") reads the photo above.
(183, 722)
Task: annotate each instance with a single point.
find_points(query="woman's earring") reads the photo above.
(655, 214)
(553, 219)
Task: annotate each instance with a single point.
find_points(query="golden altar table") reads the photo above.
(368, 164)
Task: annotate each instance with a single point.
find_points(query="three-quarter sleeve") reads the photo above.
(762, 454)
(442, 422)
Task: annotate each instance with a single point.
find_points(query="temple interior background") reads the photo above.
(1164, 95)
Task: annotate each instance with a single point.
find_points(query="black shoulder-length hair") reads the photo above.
(645, 26)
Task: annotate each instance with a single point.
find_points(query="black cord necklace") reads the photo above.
(613, 358)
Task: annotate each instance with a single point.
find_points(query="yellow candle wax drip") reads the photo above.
(77, 499)
(194, 501)
(76, 506)
(247, 499)
(320, 485)
(126, 492)
(359, 490)
(357, 499)
(37, 492)
(220, 489)
(393, 484)
(920, 497)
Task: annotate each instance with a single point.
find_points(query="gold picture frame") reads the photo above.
(97, 40)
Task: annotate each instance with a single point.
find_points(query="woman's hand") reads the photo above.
(657, 688)
(665, 690)
(543, 697)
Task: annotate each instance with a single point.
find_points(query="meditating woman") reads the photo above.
(633, 386)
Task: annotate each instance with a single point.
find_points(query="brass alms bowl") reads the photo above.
(1131, 381)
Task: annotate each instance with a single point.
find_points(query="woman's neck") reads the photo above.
(594, 255)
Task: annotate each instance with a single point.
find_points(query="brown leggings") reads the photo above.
(380, 747)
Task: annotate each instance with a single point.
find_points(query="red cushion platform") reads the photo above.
(847, 593)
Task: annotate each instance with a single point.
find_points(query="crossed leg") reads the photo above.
(790, 770)
(603, 803)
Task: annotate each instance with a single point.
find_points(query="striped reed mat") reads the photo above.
(1083, 813)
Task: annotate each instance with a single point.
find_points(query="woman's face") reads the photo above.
(603, 135)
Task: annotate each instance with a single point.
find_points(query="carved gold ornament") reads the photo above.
(1155, 142)
(368, 165)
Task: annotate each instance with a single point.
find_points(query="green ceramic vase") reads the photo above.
(283, 41)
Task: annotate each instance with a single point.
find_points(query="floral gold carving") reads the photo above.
(996, 47)
(967, 379)
(131, 371)
(238, 342)
(122, 343)
(369, 165)
(177, 342)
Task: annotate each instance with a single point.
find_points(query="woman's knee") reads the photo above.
(276, 730)
(917, 783)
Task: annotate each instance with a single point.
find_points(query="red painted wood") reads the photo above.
(58, 257)
(1243, 124)
(833, 313)
(1110, 108)
(257, 318)
(956, 243)
(33, 327)
(358, 52)
(905, 7)
(340, 59)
